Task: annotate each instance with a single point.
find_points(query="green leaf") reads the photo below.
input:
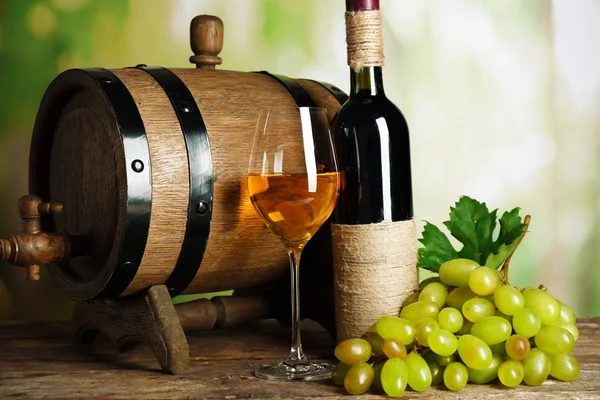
(437, 250)
(511, 226)
(496, 260)
(473, 225)
(511, 230)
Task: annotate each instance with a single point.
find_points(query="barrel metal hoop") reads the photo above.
(336, 92)
(300, 95)
(139, 179)
(201, 177)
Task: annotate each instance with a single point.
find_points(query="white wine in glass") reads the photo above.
(293, 183)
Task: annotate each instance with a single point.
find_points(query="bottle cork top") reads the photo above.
(362, 5)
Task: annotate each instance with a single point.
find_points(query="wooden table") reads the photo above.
(42, 361)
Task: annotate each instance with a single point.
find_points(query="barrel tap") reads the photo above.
(32, 247)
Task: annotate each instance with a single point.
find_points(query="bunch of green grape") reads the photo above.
(466, 325)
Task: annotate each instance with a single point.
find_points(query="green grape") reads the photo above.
(375, 341)
(571, 328)
(554, 340)
(420, 310)
(483, 281)
(498, 349)
(517, 347)
(511, 373)
(537, 367)
(412, 298)
(456, 272)
(564, 367)
(389, 327)
(502, 315)
(466, 328)
(352, 351)
(442, 342)
(444, 361)
(424, 328)
(478, 308)
(437, 372)
(546, 306)
(419, 374)
(393, 348)
(394, 377)
(458, 296)
(359, 378)
(566, 314)
(527, 322)
(339, 373)
(456, 376)
(435, 292)
(377, 375)
(508, 299)
(429, 280)
(485, 375)
(450, 319)
(492, 329)
(474, 352)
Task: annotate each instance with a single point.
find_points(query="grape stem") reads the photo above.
(418, 349)
(504, 270)
(377, 359)
(423, 352)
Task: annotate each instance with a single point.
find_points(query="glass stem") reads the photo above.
(296, 353)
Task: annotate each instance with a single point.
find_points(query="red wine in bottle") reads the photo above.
(373, 231)
(372, 142)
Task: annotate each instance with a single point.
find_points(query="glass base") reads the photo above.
(299, 372)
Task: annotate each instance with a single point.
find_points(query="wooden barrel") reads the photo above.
(150, 165)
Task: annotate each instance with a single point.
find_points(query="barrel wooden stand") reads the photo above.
(149, 318)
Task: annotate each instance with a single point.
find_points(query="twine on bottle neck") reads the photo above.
(364, 39)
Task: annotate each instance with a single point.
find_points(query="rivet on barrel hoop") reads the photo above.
(137, 165)
(185, 106)
(201, 208)
(106, 79)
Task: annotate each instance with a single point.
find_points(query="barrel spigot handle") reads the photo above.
(32, 247)
(206, 41)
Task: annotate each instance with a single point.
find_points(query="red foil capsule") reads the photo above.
(362, 5)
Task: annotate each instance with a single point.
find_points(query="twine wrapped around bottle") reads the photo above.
(364, 39)
(375, 269)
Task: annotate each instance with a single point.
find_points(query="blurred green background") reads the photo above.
(502, 97)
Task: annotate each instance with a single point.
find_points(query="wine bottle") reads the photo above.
(373, 231)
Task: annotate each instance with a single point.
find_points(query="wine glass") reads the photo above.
(293, 183)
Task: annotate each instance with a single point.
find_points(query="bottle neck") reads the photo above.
(366, 82)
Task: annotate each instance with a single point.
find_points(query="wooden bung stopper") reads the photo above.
(206, 41)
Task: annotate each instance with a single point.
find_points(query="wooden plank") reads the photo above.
(43, 366)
